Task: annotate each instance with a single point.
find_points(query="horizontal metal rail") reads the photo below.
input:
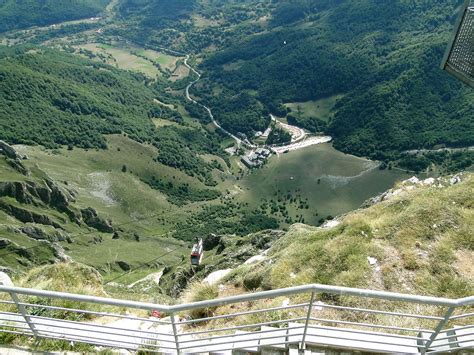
(370, 325)
(240, 335)
(183, 335)
(368, 341)
(335, 290)
(366, 310)
(92, 325)
(462, 316)
(238, 327)
(356, 331)
(237, 314)
(95, 313)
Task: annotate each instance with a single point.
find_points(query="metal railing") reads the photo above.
(309, 315)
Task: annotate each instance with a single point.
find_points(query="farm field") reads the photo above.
(322, 109)
(136, 59)
(332, 182)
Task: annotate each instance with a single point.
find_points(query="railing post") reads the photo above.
(25, 315)
(175, 333)
(6, 281)
(305, 331)
(438, 329)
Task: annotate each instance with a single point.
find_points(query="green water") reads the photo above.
(345, 181)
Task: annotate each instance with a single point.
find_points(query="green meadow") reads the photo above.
(327, 181)
(322, 109)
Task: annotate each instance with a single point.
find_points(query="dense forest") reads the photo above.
(383, 57)
(257, 56)
(52, 98)
(21, 14)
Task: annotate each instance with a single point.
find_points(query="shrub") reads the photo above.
(197, 292)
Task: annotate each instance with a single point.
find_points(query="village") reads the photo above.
(257, 156)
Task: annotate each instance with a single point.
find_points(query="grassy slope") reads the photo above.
(422, 240)
(97, 179)
(331, 182)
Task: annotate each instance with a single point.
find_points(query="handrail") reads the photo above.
(176, 332)
(336, 290)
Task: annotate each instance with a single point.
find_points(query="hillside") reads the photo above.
(369, 77)
(383, 59)
(415, 238)
(119, 167)
(22, 14)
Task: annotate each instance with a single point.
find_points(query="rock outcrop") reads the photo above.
(8, 151)
(13, 158)
(90, 217)
(27, 216)
(39, 234)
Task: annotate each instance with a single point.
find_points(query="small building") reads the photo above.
(247, 162)
(257, 158)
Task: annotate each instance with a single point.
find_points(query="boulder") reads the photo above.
(5, 279)
(124, 265)
(4, 243)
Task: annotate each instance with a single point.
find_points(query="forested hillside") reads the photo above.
(21, 14)
(52, 98)
(380, 59)
(383, 56)
(49, 97)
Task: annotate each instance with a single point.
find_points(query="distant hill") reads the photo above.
(21, 14)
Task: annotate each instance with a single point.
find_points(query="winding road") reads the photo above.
(188, 96)
(299, 137)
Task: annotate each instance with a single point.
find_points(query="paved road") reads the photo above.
(188, 96)
(297, 133)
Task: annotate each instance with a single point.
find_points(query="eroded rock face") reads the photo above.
(40, 234)
(13, 158)
(50, 195)
(7, 150)
(16, 190)
(90, 217)
(26, 216)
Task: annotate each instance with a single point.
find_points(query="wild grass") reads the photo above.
(200, 291)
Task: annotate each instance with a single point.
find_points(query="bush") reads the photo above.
(197, 292)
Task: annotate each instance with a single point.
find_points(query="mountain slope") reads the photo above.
(21, 14)
(415, 238)
(384, 58)
(50, 98)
